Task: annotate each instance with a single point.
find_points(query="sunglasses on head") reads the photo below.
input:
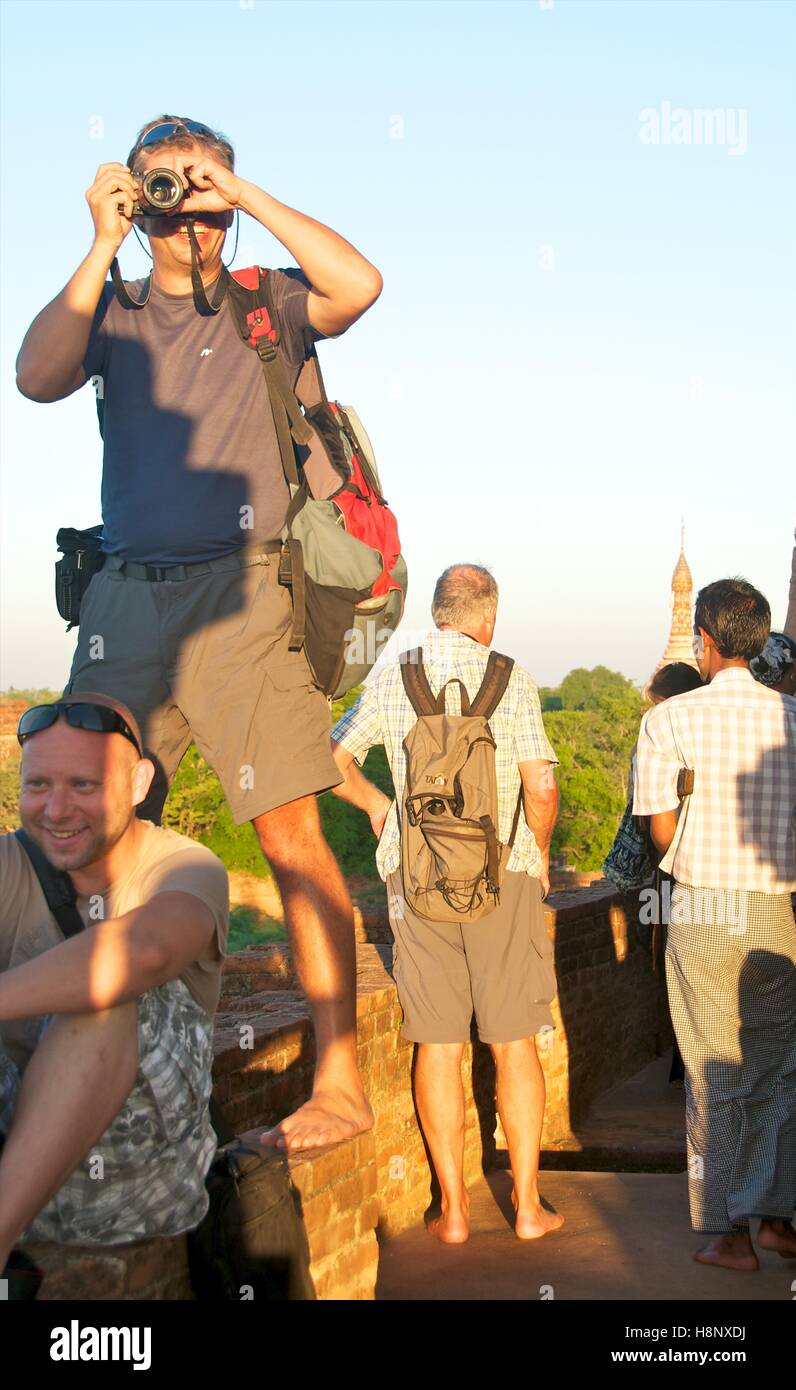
(98, 719)
(168, 128)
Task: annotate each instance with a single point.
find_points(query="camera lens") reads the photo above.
(162, 189)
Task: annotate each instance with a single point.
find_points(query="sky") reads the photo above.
(583, 211)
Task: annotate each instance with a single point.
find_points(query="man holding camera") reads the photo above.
(187, 621)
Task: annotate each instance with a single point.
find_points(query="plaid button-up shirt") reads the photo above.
(384, 714)
(738, 827)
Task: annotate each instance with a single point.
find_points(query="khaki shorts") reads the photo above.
(500, 968)
(145, 1176)
(206, 660)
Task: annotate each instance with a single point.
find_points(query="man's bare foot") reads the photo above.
(778, 1236)
(732, 1251)
(533, 1221)
(452, 1226)
(327, 1117)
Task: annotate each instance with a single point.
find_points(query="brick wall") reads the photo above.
(609, 1024)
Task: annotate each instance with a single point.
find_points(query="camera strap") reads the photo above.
(123, 294)
(204, 306)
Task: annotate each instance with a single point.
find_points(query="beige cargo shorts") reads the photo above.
(499, 968)
(206, 659)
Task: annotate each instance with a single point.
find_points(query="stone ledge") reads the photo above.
(148, 1269)
(608, 1024)
(336, 1191)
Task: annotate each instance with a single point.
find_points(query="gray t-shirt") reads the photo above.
(191, 464)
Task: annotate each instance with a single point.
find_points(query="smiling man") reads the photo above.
(194, 625)
(105, 1037)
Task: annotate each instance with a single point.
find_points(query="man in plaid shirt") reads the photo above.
(499, 967)
(731, 948)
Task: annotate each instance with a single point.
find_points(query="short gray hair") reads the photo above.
(464, 596)
(214, 142)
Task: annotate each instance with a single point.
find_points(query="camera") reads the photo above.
(161, 191)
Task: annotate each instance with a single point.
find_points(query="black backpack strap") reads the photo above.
(516, 821)
(493, 686)
(274, 366)
(291, 426)
(413, 675)
(291, 571)
(56, 886)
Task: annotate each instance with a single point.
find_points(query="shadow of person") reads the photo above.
(137, 639)
(741, 1106)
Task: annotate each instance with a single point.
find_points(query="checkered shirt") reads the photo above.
(384, 714)
(738, 827)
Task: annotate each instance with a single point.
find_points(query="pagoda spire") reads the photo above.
(679, 647)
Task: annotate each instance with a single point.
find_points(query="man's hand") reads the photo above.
(217, 188)
(544, 875)
(110, 199)
(379, 811)
(358, 791)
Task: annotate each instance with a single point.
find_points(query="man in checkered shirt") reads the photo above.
(731, 949)
(499, 967)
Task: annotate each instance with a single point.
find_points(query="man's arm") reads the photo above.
(358, 791)
(540, 800)
(344, 283)
(50, 361)
(359, 729)
(112, 962)
(662, 827)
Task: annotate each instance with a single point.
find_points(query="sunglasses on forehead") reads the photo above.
(168, 128)
(98, 719)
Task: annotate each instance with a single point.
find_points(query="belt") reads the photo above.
(158, 573)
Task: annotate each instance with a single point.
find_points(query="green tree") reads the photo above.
(593, 730)
(599, 689)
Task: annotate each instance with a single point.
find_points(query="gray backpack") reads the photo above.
(452, 862)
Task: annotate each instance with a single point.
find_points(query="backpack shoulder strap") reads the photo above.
(413, 675)
(258, 293)
(493, 686)
(56, 885)
(250, 292)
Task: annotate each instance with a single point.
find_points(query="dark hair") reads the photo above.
(736, 616)
(674, 679)
(216, 143)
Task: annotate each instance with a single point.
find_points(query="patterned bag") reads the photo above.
(629, 862)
